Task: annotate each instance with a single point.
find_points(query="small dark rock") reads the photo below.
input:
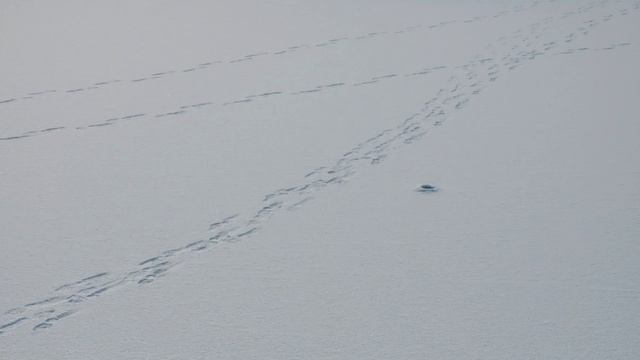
(427, 188)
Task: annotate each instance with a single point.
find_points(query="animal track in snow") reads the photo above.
(183, 109)
(465, 83)
(203, 65)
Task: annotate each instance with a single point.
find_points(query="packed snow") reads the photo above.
(320, 179)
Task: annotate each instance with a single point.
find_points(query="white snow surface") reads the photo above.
(236, 179)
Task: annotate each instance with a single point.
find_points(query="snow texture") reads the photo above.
(237, 179)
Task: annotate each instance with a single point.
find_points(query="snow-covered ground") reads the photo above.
(237, 179)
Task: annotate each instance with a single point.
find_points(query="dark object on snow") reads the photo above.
(427, 188)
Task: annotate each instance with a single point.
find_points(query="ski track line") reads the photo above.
(210, 64)
(508, 53)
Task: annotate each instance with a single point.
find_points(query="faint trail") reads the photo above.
(208, 65)
(208, 104)
(466, 81)
(183, 110)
